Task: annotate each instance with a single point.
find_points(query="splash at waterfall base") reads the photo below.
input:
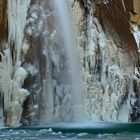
(64, 66)
(69, 133)
(88, 128)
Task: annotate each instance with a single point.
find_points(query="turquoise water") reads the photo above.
(74, 131)
(48, 134)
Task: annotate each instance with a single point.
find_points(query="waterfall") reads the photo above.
(64, 19)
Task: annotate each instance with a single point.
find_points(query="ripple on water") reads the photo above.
(49, 134)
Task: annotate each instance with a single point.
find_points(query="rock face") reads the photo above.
(108, 57)
(123, 17)
(3, 21)
(35, 61)
(135, 15)
(121, 23)
(105, 78)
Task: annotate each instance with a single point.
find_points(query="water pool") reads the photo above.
(88, 131)
(48, 134)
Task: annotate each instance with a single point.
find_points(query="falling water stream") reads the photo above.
(64, 19)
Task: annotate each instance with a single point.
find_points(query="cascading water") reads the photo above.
(64, 19)
(63, 94)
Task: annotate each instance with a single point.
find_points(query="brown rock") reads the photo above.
(3, 21)
(135, 15)
(117, 14)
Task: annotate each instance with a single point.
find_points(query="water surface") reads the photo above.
(48, 134)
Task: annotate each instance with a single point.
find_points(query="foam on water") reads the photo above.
(46, 134)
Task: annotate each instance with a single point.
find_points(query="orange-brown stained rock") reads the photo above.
(118, 14)
(3, 21)
(135, 15)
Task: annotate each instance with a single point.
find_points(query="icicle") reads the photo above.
(5, 77)
(17, 13)
(12, 75)
(136, 34)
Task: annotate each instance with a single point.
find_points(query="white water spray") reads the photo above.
(64, 18)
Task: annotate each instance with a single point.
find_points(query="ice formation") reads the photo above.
(12, 74)
(17, 13)
(107, 89)
(136, 33)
